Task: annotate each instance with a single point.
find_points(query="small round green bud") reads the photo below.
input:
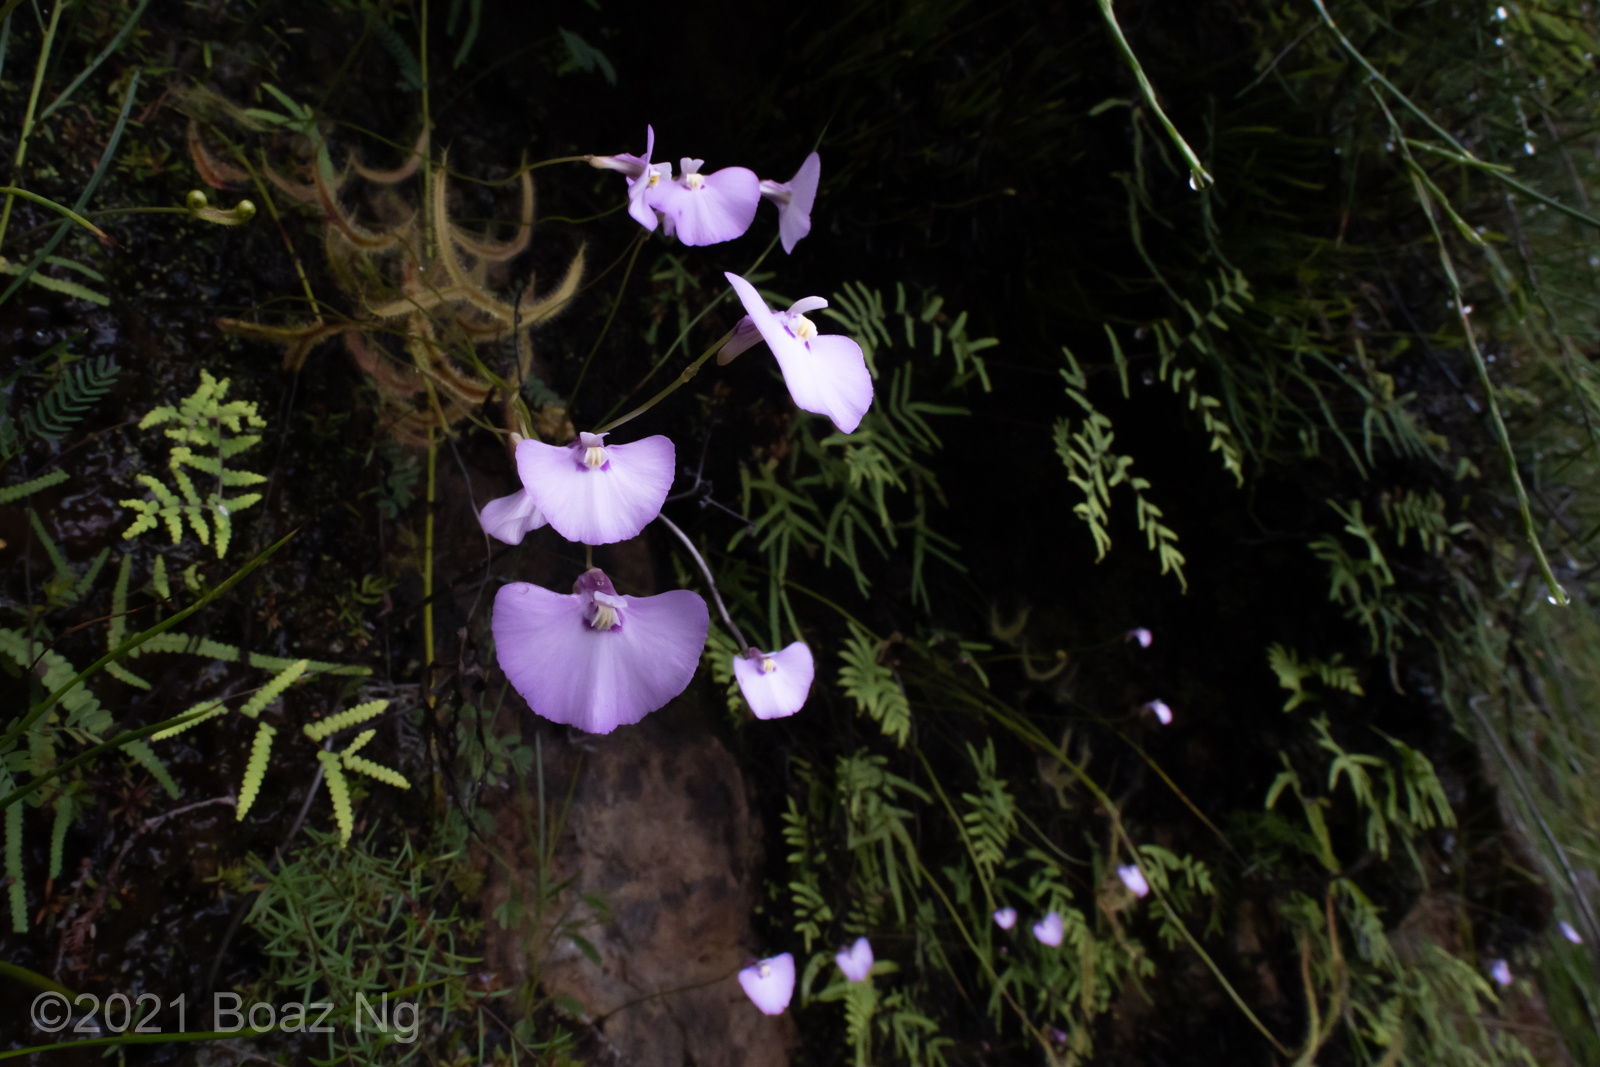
(245, 210)
(195, 200)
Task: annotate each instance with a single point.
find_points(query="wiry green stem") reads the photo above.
(688, 372)
(33, 102)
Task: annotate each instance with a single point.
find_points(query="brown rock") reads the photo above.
(660, 828)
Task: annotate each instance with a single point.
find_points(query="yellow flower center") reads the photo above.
(764, 970)
(695, 181)
(804, 328)
(767, 666)
(655, 177)
(594, 458)
(605, 616)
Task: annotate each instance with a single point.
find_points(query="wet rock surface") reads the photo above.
(660, 828)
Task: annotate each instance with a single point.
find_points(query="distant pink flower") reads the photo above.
(856, 961)
(1049, 930)
(1133, 878)
(769, 983)
(775, 684)
(597, 493)
(1500, 971)
(1159, 709)
(707, 209)
(1006, 918)
(510, 518)
(825, 373)
(1570, 934)
(794, 199)
(593, 659)
(1141, 635)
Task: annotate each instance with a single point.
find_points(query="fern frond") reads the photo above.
(874, 687)
(375, 770)
(19, 898)
(146, 758)
(274, 689)
(71, 398)
(339, 791)
(361, 741)
(256, 769)
(350, 717)
(216, 707)
(65, 811)
(28, 488)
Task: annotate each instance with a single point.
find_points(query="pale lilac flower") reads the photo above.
(1141, 635)
(1500, 971)
(1059, 1034)
(1133, 878)
(510, 518)
(597, 493)
(825, 373)
(1159, 709)
(593, 659)
(856, 961)
(1006, 918)
(769, 983)
(775, 684)
(642, 176)
(1570, 934)
(706, 209)
(794, 199)
(1049, 930)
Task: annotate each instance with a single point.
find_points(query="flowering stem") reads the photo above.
(711, 582)
(427, 565)
(688, 372)
(638, 244)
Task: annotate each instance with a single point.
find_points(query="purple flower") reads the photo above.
(706, 209)
(770, 983)
(1570, 934)
(1500, 971)
(1141, 635)
(642, 176)
(1049, 931)
(1158, 708)
(794, 199)
(856, 961)
(1133, 878)
(597, 493)
(1006, 918)
(593, 659)
(775, 684)
(510, 518)
(825, 373)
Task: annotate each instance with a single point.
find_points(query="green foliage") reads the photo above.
(874, 687)
(78, 389)
(1292, 674)
(256, 768)
(316, 731)
(201, 419)
(16, 492)
(1095, 469)
(335, 923)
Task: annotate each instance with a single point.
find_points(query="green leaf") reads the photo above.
(586, 57)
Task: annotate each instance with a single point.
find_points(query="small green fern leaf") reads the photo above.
(146, 758)
(334, 723)
(71, 398)
(375, 770)
(274, 689)
(19, 899)
(214, 708)
(339, 790)
(874, 687)
(256, 769)
(28, 488)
